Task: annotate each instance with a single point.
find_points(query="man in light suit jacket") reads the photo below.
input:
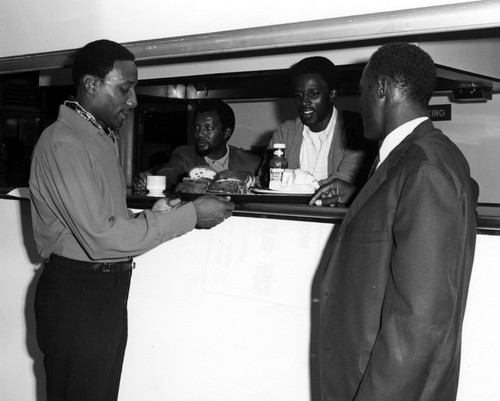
(323, 140)
(397, 270)
(214, 123)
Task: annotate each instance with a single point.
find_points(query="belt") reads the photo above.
(102, 267)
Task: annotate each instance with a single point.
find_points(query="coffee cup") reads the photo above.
(156, 184)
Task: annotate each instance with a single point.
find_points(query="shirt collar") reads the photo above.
(397, 136)
(73, 104)
(327, 130)
(221, 161)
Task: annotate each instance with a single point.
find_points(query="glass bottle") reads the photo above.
(277, 166)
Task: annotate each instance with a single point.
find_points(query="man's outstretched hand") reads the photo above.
(212, 210)
(334, 193)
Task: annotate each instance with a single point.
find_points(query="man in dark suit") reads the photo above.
(213, 126)
(397, 270)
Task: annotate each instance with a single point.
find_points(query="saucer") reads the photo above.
(156, 194)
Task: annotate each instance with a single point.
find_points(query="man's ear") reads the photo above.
(89, 83)
(227, 133)
(333, 95)
(382, 87)
(386, 87)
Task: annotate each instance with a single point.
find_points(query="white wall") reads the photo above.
(34, 26)
(475, 128)
(21, 369)
(257, 120)
(480, 345)
(227, 314)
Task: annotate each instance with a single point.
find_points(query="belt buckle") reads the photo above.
(106, 268)
(103, 267)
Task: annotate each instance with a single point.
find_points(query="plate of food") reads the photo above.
(202, 180)
(240, 186)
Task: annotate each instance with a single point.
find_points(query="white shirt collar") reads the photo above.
(327, 131)
(395, 137)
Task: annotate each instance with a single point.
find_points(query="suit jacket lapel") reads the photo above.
(381, 173)
(371, 186)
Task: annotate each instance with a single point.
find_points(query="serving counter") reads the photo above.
(225, 314)
(296, 208)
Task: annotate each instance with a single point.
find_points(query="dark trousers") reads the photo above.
(81, 321)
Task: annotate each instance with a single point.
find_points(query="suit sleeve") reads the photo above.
(277, 137)
(349, 167)
(175, 168)
(420, 325)
(242, 159)
(350, 152)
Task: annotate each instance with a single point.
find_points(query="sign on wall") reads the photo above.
(439, 112)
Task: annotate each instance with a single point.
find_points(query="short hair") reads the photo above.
(410, 67)
(97, 58)
(316, 65)
(224, 111)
